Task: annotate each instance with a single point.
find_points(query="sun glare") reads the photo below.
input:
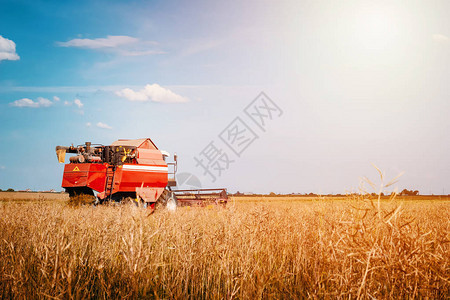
(375, 29)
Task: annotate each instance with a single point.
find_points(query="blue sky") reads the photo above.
(357, 82)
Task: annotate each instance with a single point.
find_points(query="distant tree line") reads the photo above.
(272, 194)
(8, 190)
(405, 192)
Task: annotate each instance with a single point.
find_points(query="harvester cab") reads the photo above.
(134, 169)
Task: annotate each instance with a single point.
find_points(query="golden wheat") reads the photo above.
(271, 249)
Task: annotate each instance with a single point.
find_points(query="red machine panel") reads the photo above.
(81, 175)
(138, 175)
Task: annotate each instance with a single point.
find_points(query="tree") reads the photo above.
(10, 190)
(407, 192)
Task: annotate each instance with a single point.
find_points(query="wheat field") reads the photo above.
(260, 249)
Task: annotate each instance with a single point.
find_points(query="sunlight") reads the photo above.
(375, 28)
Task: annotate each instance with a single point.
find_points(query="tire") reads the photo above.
(167, 200)
(172, 203)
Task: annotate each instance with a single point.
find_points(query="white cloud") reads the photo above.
(139, 53)
(103, 125)
(132, 95)
(44, 102)
(2, 167)
(120, 44)
(67, 103)
(111, 41)
(25, 102)
(151, 92)
(199, 46)
(7, 49)
(56, 98)
(88, 124)
(78, 103)
(441, 38)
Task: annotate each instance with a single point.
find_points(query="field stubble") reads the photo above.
(270, 249)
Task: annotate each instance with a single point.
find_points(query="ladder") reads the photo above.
(109, 186)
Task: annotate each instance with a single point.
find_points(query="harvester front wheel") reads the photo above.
(167, 200)
(172, 203)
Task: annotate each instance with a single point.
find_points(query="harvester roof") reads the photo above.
(139, 143)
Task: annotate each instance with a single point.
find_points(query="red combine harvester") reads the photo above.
(134, 169)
